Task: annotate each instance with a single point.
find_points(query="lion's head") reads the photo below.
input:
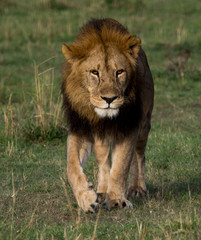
(99, 69)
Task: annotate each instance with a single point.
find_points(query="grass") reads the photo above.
(36, 201)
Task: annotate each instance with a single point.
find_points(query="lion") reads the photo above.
(108, 94)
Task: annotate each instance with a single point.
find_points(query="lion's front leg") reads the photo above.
(121, 159)
(78, 151)
(102, 153)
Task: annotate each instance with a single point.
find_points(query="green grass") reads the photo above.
(36, 201)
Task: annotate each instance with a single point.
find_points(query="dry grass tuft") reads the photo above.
(10, 128)
(47, 120)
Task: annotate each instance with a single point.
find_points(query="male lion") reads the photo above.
(108, 95)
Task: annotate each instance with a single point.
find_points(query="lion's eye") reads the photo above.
(119, 72)
(95, 72)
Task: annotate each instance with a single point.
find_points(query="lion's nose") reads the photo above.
(109, 99)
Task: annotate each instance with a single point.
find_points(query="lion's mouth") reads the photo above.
(107, 112)
(109, 108)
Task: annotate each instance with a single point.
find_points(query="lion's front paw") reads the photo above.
(137, 192)
(110, 203)
(87, 200)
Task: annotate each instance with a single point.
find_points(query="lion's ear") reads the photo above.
(134, 46)
(67, 52)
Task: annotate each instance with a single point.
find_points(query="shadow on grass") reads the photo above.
(176, 189)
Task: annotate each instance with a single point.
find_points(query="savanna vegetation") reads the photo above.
(36, 201)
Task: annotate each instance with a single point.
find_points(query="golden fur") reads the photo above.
(108, 98)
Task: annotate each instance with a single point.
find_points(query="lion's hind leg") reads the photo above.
(137, 186)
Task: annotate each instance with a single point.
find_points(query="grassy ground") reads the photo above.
(36, 201)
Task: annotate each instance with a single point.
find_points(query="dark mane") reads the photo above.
(101, 31)
(98, 24)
